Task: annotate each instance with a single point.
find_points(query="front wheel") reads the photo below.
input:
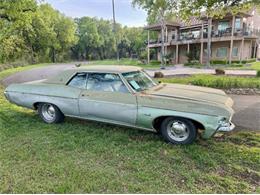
(50, 113)
(178, 130)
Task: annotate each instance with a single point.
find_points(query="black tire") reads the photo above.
(186, 130)
(56, 117)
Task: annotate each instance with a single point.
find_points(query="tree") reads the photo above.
(14, 16)
(158, 11)
(88, 36)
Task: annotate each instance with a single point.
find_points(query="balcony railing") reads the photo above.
(214, 34)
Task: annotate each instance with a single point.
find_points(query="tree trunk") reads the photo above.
(53, 55)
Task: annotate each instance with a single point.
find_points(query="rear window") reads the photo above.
(79, 81)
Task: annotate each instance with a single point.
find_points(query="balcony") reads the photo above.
(217, 35)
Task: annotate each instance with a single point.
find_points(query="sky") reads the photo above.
(125, 13)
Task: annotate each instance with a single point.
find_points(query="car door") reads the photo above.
(107, 98)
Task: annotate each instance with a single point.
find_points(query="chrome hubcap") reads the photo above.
(177, 130)
(48, 112)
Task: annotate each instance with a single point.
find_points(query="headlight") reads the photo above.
(223, 121)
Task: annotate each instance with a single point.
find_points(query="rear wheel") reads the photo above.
(50, 113)
(178, 130)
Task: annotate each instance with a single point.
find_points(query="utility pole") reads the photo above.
(114, 29)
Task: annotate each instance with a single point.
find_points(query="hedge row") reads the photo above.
(224, 62)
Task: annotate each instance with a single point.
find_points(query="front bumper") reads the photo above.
(226, 127)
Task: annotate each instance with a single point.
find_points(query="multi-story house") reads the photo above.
(233, 38)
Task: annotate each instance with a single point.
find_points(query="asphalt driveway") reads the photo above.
(247, 108)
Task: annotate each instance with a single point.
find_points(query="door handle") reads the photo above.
(83, 95)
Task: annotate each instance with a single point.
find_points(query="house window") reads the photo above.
(223, 25)
(235, 51)
(237, 24)
(222, 52)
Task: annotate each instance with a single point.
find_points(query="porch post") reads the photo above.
(188, 49)
(255, 50)
(166, 35)
(148, 47)
(176, 34)
(231, 41)
(201, 43)
(177, 54)
(251, 45)
(241, 50)
(209, 41)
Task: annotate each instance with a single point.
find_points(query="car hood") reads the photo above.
(194, 93)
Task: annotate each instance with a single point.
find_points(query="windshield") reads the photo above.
(139, 80)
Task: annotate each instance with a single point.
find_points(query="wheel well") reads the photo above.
(36, 105)
(158, 121)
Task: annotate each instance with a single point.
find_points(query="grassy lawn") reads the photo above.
(128, 62)
(79, 156)
(254, 66)
(221, 82)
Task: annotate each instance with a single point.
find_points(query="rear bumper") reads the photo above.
(226, 127)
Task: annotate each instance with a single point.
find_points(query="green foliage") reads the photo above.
(234, 62)
(35, 32)
(221, 82)
(223, 62)
(97, 40)
(155, 62)
(255, 66)
(250, 60)
(258, 73)
(194, 63)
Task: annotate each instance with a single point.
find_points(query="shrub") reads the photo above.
(193, 63)
(158, 75)
(224, 62)
(219, 71)
(221, 82)
(155, 62)
(236, 65)
(143, 55)
(258, 73)
(251, 60)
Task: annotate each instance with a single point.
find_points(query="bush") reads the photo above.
(143, 55)
(236, 65)
(251, 60)
(155, 62)
(219, 71)
(221, 82)
(193, 63)
(13, 65)
(258, 73)
(224, 62)
(158, 75)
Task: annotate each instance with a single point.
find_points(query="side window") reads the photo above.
(79, 81)
(106, 82)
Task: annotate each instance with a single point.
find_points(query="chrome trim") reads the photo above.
(226, 127)
(6, 95)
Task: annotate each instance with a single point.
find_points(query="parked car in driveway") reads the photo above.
(126, 95)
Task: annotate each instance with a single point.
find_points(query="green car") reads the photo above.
(126, 95)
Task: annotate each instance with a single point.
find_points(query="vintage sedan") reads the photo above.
(128, 96)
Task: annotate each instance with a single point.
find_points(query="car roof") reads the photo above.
(110, 68)
(65, 76)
